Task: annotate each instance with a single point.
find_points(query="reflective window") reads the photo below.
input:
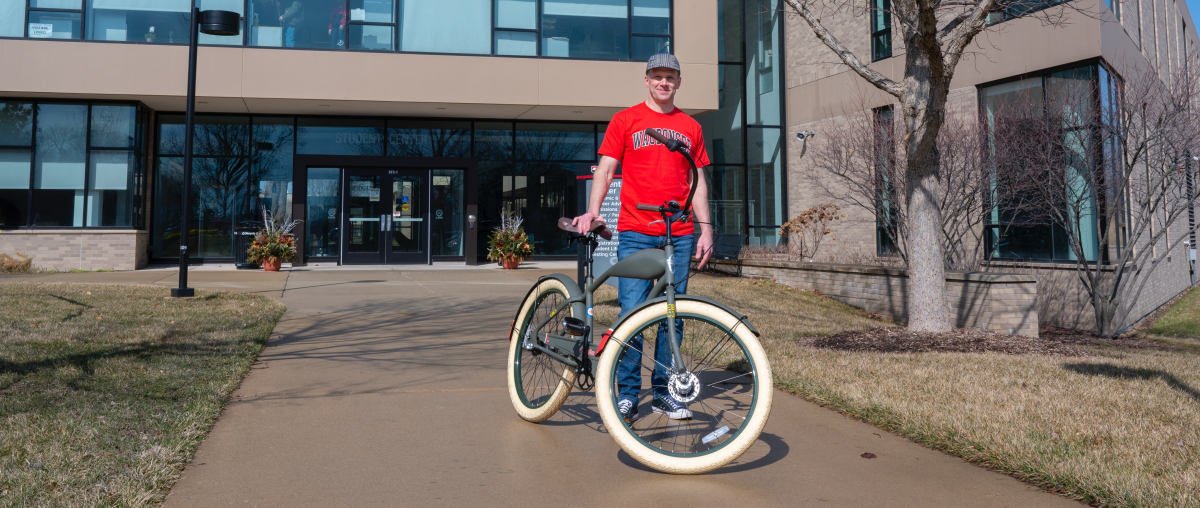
(16, 124)
(764, 182)
(12, 13)
(447, 211)
(110, 184)
(372, 25)
(651, 17)
(729, 30)
(162, 21)
(727, 198)
(59, 169)
(409, 138)
(371, 37)
(54, 25)
(56, 4)
(271, 166)
(516, 43)
(446, 26)
(222, 136)
(723, 127)
(645, 47)
(516, 14)
(555, 142)
(881, 29)
(113, 126)
(493, 141)
(324, 196)
(298, 23)
(330, 136)
(14, 187)
(762, 68)
(541, 192)
(585, 29)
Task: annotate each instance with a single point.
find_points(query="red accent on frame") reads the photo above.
(603, 342)
(512, 328)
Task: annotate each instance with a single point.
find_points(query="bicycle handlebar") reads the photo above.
(676, 146)
(648, 208)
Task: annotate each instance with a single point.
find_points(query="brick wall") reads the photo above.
(79, 250)
(1005, 303)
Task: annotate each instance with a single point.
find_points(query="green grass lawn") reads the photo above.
(1177, 324)
(1120, 427)
(106, 391)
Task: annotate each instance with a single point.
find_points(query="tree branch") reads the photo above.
(874, 78)
(956, 40)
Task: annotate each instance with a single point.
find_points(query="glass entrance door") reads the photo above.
(386, 214)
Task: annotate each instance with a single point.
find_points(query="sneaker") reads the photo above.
(628, 410)
(674, 410)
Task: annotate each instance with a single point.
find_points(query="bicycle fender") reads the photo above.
(577, 308)
(608, 333)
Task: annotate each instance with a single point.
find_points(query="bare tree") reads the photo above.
(935, 35)
(1109, 161)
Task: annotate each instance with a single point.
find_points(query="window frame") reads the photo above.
(137, 199)
(876, 32)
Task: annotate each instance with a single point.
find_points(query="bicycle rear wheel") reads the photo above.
(537, 384)
(724, 362)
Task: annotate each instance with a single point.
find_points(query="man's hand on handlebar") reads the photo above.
(583, 222)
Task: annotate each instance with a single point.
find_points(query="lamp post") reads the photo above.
(211, 23)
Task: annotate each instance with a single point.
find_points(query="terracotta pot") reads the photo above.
(272, 264)
(511, 262)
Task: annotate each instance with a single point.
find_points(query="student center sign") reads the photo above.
(396, 130)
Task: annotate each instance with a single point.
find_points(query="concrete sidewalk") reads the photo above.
(387, 388)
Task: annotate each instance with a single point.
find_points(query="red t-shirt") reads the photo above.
(650, 173)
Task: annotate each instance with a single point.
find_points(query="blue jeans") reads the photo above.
(630, 293)
(289, 36)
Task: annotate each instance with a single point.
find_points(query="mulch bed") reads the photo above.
(1051, 341)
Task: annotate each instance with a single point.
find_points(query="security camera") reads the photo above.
(803, 135)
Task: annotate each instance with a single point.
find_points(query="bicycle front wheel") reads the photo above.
(537, 384)
(726, 386)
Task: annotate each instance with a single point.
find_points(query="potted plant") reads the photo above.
(150, 35)
(274, 243)
(509, 244)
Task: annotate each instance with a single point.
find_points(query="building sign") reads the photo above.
(373, 194)
(606, 254)
(441, 181)
(41, 30)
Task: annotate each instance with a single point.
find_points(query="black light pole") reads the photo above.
(211, 23)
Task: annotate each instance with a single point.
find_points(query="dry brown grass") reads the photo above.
(15, 264)
(1118, 428)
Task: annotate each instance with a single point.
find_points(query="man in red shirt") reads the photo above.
(653, 175)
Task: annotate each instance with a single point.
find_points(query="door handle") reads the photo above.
(383, 222)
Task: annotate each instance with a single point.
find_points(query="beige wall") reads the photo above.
(91, 249)
(259, 80)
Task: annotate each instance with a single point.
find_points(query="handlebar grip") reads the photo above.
(654, 134)
(648, 208)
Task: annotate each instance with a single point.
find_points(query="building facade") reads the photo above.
(396, 130)
(1014, 60)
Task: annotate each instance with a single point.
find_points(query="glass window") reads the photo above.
(541, 192)
(223, 5)
(16, 124)
(12, 13)
(723, 127)
(110, 185)
(881, 29)
(493, 141)
(163, 21)
(555, 142)
(324, 195)
(762, 87)
(516, 43)
(219, 193)
(448, 208)
(729, 30)
(586, 29)
(59, 168)
(225, 136)
(651, 17)
(516, 14)
(271, 167)
(491, 196)
(645, 47)
(371, 37)
(113, 126)
(56, 4)
(371, 11)
(429, 139)
(446, 26)
(298, 23)
(54, 25)
(14, 187)
(330, 136)
(727, 198)
(765, 177)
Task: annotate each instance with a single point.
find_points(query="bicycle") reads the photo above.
(716, 365)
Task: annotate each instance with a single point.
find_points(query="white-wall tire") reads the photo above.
(702, 460)
(521, 361)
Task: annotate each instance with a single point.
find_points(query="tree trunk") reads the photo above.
(926, 90)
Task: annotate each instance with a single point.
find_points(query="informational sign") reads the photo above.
(441, 181)
(360, 189)
(373, 194)
(41, 30)
(404, 207)
(606, 254)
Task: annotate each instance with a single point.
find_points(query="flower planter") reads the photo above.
(272, 264)
(511, 262)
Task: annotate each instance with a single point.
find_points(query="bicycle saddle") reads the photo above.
(598, 227)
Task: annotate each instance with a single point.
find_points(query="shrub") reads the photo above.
(15, 264)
